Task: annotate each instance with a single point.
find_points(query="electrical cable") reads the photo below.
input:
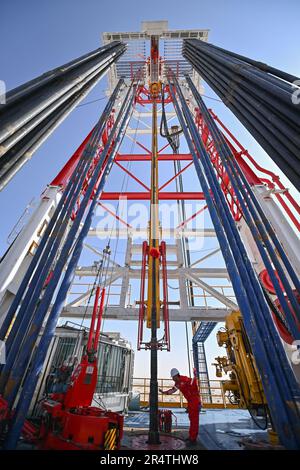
(90, 102)
(164, 125)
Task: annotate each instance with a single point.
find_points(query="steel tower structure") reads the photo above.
(252, 217)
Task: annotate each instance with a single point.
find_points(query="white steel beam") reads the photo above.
(17, 259)
(212, 273)
(131, 313)
(143, 233)
(212, 291)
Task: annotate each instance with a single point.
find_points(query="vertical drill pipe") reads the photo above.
(42, 348)
(34, 84)
(275, 179)
(220, 74)
(20, 366)
(35, 121)
(67, 193)
(153, 284)
(29, 118)
(278, 129)
(281, 388)
(222, 147)
(43, 251)
(256, 226)
(21, 152)
(15, 116)
(89, 345)
(266, 94)
(259, 133)
(243, 263)
(270, 357)
(260, 65)
(272, 85)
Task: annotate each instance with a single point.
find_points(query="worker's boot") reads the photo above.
(190, 443)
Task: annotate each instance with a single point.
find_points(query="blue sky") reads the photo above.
(37, 36)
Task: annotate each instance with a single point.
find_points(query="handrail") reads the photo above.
(211, 394)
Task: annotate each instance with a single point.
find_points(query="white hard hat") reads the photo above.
(174, 372)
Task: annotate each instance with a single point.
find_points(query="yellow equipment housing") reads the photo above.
(245, 382)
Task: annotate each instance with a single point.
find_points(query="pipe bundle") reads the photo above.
(263, 234)
(34, 109)
(263, 98)
(280, 386)
(57, 254)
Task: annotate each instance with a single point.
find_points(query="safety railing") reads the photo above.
(205, 296)
(211, 394)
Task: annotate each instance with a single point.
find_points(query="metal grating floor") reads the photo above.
(219, 429)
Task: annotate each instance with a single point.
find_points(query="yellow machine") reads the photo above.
(244, 386)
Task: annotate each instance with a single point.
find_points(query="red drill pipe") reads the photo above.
(95, 309)
(99, 320)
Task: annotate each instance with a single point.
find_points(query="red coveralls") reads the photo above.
(189, 390)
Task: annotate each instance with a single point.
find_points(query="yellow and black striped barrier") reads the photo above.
(110, 439)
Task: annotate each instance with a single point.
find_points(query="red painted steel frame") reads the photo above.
(145, 250)
(140, 157)
(99, 320)
(218, 165)
(240, 154)
(182, 224)
(90, 343)
(145, 196)
(144, 96)
(165, 342)
(163, 252)
(63, 176)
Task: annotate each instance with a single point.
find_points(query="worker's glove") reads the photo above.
(161, 391)
(195, 372)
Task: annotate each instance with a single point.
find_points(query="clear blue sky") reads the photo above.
(37, 36)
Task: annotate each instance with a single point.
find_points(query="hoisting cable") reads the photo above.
(124, 187)
(164, 131)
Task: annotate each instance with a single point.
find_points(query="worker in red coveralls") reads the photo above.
(189, 389)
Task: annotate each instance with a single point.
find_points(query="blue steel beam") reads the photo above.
(203, 331)
(259, 225)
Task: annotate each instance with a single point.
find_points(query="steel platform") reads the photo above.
(219, 429)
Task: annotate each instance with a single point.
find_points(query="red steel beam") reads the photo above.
(114, 215)
(175, 176)
(133, 176)
(65, 173)
(163, 148)
(138, 157)
(169, 196)
(192, 217)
